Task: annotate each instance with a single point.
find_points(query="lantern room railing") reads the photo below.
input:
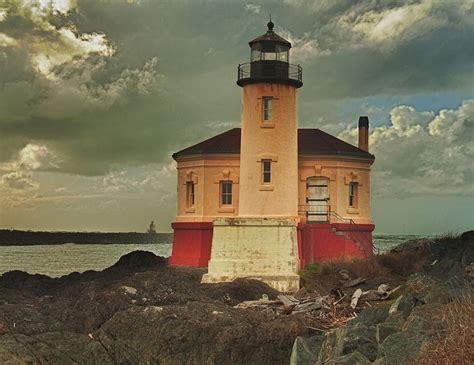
(269, 71)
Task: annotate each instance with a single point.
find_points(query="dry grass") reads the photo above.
(400, 263)
(393, 267)
(454, 345)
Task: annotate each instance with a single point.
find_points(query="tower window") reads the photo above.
(266, 171)
(226, 192)
(353, 194)
(189, 194)
(267, 107)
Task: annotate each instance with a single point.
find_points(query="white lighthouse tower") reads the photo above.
(261, 242)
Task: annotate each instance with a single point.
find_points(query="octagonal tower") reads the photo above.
(261, 242)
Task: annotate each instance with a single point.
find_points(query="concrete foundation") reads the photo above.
(265, 249)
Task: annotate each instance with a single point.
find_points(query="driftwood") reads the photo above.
(347, 281)
(328, 312)
(382, 293)
(354, 282)
(355, 298)
(287, 299)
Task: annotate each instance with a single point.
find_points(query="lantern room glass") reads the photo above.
(269, 52)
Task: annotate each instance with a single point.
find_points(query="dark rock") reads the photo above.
(403, 347)
(140, 259)
(383, 330)
(354, 358)
(306, 350)
(404, 304)
(415, 245)
(371, 316)
(444, 293)
(239, 290)
(347, 340)
(468, 236)
(133, 314)
(451, 256)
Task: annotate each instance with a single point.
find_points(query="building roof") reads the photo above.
(270, 36)
(310, 142)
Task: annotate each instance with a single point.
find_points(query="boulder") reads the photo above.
(354, 358)
(306, 350)
(402, 348)
(347, 340)
(383, 330)
(139, 259)
(371, 316)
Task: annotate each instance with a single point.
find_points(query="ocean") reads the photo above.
(58, 260)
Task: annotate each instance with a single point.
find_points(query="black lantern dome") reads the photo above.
(269, 62)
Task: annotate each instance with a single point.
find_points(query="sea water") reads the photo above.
(58, 260)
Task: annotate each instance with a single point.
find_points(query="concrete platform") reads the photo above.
(265, 249)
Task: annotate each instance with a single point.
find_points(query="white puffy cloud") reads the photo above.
(75, 88)
(385, 26)
(380, 24)
(17, 174)
(35, 157)
(423, 153)
(19, 180)
(6, 41)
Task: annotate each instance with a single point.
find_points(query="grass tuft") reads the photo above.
(455, 344)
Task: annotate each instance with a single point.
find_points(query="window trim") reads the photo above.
(269, 171)
(267, 117)
(227, 194)
(190, 194)
(353, 188)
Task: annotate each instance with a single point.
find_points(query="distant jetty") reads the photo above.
(27, 238)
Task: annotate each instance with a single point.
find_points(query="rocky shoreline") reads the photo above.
(142, 311)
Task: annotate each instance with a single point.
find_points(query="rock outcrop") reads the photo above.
(139, 311)
(394, 334)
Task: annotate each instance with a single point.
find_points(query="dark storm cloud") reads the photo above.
(171, 66)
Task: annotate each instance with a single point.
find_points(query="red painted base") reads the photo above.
(320, 242)
(191, 244)
(316, 242)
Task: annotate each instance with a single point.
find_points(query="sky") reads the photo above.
(95, 96)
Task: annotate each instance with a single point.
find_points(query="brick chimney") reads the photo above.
(364, 133)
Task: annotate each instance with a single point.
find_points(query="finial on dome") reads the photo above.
(270, 24)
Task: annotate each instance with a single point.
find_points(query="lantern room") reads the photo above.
(269, 62)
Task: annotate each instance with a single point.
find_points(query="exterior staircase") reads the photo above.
(334, 237)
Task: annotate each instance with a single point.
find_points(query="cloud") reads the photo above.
(253, 8)
(17, 174)
(423, 153)
(19, 180)
(35, 157)
(112, 88)
(305, 48)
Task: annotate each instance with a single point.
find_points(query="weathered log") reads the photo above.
(355, 298)
(257, 303)
(287, 300)
(354, 282)
(383, 288)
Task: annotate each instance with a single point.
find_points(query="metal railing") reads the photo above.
(315, 213)
(360, 238)
(270, 70)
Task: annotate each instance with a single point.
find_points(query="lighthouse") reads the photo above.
(263, 200)
(261, 242)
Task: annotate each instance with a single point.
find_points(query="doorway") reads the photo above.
(317, 198)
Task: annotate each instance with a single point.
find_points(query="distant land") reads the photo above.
(10, 237)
